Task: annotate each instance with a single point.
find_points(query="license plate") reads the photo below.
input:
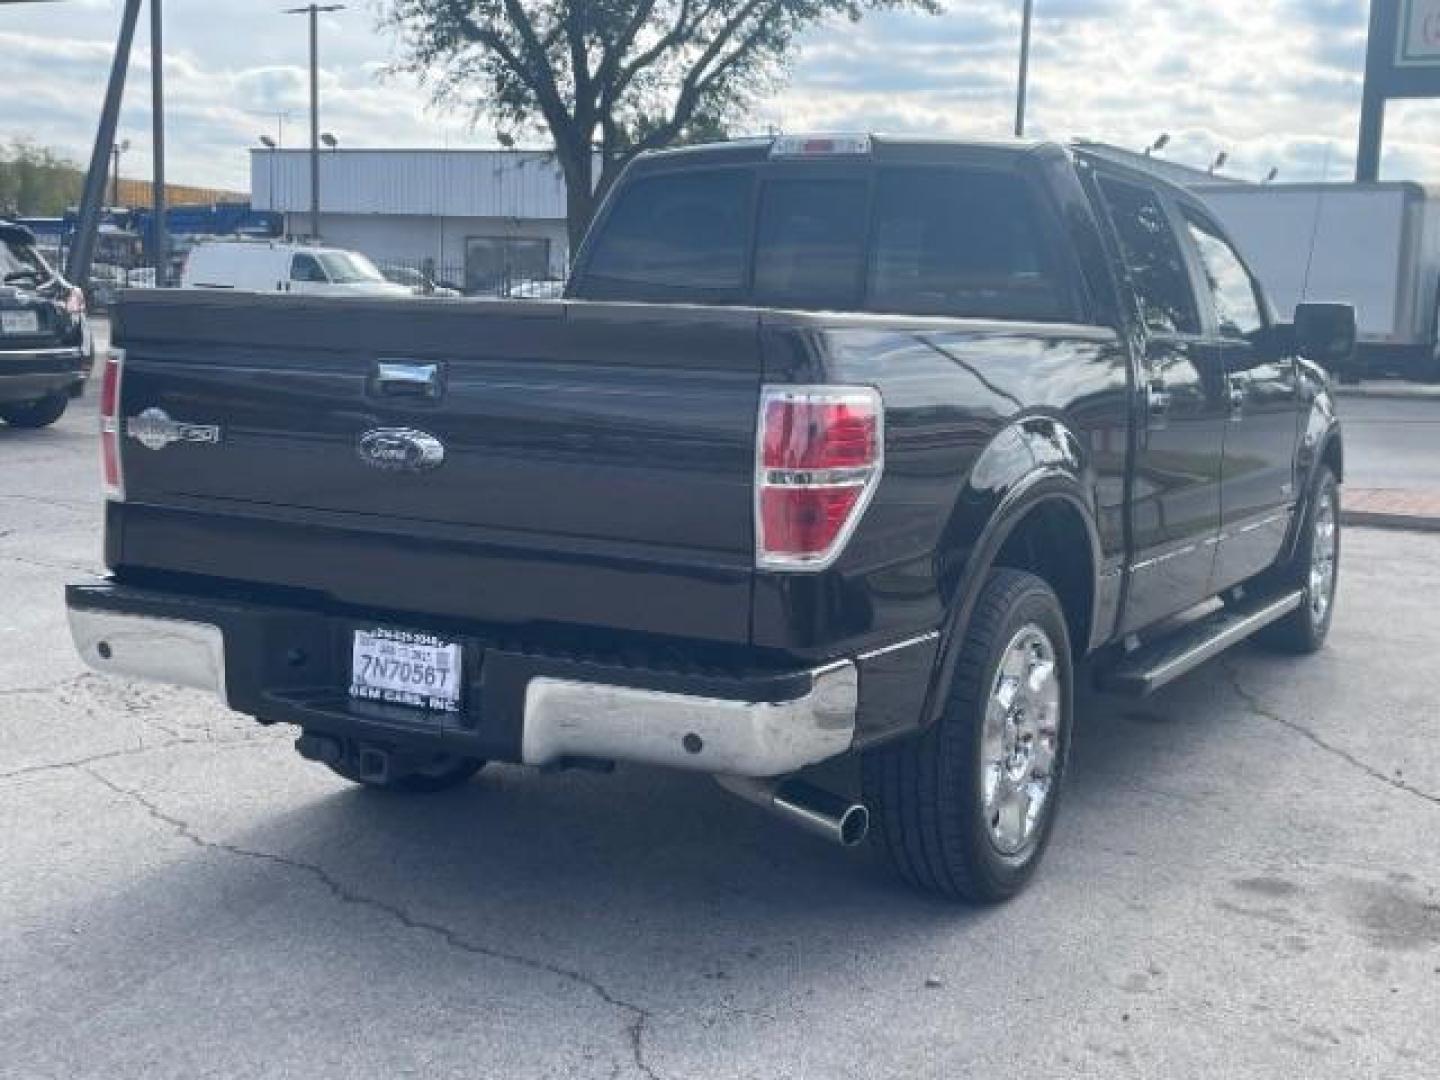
(19, 322)
(406, 668)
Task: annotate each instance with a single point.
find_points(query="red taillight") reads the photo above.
(817, 433)
(110, 466)
(819, 460)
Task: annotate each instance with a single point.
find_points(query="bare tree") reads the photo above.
(608, 78)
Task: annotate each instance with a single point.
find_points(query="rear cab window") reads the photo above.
(675, 236)
(956, 240)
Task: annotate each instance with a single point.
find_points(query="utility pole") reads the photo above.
(314, 11)
(1384, 26)
(159, 233)
(1023, 90)
(83, 250)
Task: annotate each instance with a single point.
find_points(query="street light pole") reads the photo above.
(1023, 90)
(115, 152)
(313, 11)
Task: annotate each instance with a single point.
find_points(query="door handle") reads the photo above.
(399, 378)
(1237, 399)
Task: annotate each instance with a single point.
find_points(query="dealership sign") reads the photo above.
(1403, 61)
(1418, 43)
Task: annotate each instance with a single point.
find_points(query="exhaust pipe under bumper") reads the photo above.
(834, 817)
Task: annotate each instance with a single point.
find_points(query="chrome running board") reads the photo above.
(1162, 662)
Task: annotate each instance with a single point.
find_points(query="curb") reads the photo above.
(1376, 519)
(1390, 393)
(1391, 508)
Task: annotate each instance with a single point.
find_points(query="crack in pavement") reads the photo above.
(132, 751)
(640, 1016)
(69, 681)
(1253, 703)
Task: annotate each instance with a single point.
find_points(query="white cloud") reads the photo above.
(1271, 84)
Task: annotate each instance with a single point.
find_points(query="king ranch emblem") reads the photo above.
(401, 450)
(155, 430)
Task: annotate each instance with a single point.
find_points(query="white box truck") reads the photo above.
(1376, 246)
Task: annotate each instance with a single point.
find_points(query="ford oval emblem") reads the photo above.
(401, 450)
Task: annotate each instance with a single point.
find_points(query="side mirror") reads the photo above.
(1326, 334)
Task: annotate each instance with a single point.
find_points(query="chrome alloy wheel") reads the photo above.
(1324, 550)
(1021, 739)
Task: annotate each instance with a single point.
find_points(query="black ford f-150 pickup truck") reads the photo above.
(834, 446)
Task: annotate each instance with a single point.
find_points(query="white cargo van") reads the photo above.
(1376, 246)
(275, 266)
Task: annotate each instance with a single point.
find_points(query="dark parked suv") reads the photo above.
(45, 347)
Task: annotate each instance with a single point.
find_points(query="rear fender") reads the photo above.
(1032, 462)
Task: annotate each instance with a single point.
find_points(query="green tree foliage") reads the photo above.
(37, 182)
(608, 78)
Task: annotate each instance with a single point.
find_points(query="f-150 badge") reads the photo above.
(155, 430)
(401, 449)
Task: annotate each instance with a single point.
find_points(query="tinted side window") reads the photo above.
(1236, 305)
(675, 233)
(965, 243)
(305, 268)
(810, 249)
(1152, 255)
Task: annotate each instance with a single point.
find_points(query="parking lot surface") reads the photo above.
(1245, 882)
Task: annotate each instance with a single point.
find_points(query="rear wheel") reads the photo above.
(439, 773)
(966, 809)
(1315, 570)
(36, 414)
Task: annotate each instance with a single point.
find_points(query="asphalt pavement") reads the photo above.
(1245, 881)
(1392, 442)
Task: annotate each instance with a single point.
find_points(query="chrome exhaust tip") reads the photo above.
(825, 814)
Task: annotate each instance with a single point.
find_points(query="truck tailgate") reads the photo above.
(597, 458)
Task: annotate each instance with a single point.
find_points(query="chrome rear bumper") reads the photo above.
(561, 718)
(144, 647)
(565, 719)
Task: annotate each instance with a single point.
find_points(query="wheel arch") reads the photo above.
(1332, 453)
(1323, 445)
(1046, 541)
(1036, 528)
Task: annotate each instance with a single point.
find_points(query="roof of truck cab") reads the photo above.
(882, 147)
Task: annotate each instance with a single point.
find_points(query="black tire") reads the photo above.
(927, 794)
(445, 772)
(1305, 629)
(36, 414)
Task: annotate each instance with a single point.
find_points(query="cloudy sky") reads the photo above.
(1271, 82)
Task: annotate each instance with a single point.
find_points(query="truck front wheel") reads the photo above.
(1314, 569)
(966, 809)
